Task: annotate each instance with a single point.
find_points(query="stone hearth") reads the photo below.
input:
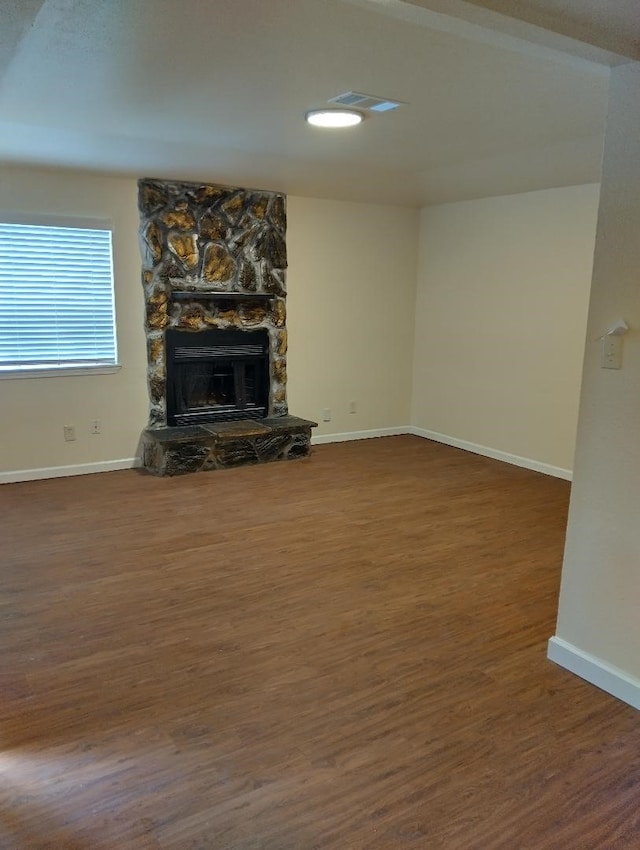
(214, 258)
(221, 445)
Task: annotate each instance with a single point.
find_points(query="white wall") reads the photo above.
(351, 296)
(503, 291)
(600, 595)
(34, 410)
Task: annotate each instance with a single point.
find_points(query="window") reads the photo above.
(56, 298)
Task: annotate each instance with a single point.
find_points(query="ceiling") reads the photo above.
(613, 25)
(217, 91)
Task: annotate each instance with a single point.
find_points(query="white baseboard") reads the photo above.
(62, 471)
(359, 435)
(605, 676)
(316, 440)
(496, 454)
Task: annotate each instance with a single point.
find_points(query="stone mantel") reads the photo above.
(237, 298)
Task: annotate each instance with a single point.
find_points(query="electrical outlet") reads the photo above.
(326, 415)
(95, 426)
(69, 433)
(353, 407)
(611, 352)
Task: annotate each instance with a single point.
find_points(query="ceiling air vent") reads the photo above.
(365, 101)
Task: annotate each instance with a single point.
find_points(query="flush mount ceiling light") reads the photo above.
(334, 117)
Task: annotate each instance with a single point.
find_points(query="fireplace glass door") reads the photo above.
(216, 375)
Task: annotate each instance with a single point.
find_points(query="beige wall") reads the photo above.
(503, 290)
(502, 298)
(351, 295)
(600, 591)
(34, 410)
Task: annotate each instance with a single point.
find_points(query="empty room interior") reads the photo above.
(319, 460)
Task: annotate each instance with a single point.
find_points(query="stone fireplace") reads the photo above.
(214, 276)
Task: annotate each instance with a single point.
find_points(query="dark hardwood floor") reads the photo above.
(346, 652)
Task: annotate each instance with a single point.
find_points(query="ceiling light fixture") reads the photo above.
(334, 117)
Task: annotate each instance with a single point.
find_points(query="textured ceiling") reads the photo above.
(218, 91)
(613, 25)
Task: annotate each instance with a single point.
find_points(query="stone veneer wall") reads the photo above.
(206, 240)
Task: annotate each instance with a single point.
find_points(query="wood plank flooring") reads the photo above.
(345, 652)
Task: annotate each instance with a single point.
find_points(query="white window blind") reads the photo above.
(56, 298)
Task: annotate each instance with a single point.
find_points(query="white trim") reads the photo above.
(496, 454)
(318, 439)
(63, 471)
(603, 675)
(55, 372)
(55, 220)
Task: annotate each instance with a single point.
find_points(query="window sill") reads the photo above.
(62, 372)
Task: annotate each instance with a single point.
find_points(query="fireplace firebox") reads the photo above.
(216, 375)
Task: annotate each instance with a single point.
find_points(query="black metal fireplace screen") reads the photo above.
(216, 375)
